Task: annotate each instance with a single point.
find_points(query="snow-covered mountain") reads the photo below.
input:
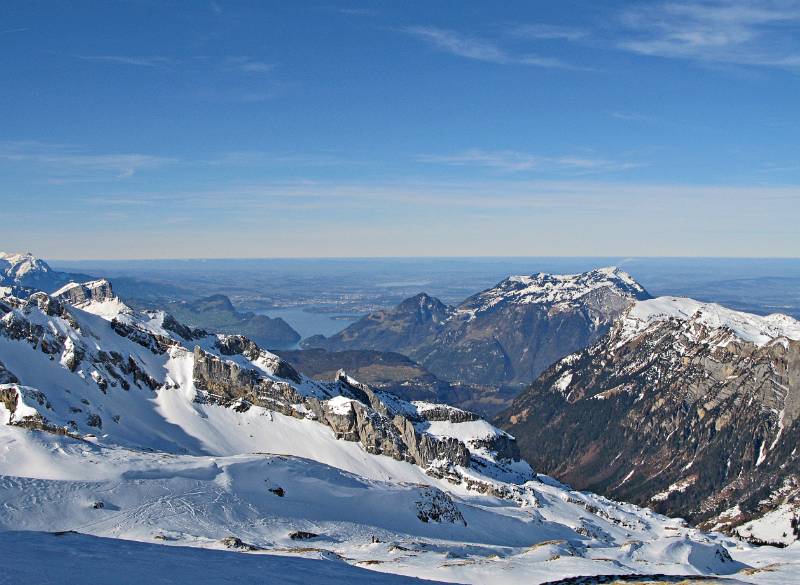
(688, 407)
(507, 334)
(560, 291)
(25, 273)
(133, 426)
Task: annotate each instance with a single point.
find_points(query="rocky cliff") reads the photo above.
(76, 293)
(686, 407)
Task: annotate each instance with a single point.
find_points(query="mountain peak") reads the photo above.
(553, 289)
(14, 265)
(26, 273)
(218, 302)
(426, 306)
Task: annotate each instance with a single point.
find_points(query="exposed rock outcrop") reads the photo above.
(436, 506)
(77, 293)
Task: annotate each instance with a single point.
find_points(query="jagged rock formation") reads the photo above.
(76, 293)
(504, 335)
(106, 345)
(686, 407)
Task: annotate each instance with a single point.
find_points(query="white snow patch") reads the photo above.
(563, 382)
(756, 329)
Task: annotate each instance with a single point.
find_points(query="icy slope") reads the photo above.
(563, 290)
(744, 326)
(399, 527)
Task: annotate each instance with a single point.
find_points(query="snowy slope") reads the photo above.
(129, 425)
(563, 290)
(25, 273)
(755, 329)
(79, 558)
(15, 266)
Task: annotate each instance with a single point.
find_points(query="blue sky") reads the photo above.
(152, 129)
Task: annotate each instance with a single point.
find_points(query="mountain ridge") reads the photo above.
(504, 335)
(694, 410)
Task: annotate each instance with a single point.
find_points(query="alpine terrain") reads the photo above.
(122, 426)
(505, 335)
(688, 408)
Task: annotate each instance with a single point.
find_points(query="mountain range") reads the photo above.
(505, 335)
(125, 424)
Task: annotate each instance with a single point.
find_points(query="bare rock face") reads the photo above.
(236, 543)
(302, 535)
(78, 293)
(504, 335)
(695, 413)
(362, 417)
(240, 345)
(16, 325)
(225, 382)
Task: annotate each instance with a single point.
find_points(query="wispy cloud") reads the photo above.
(630, 116)
(247, 158)
(546, 32)
(246, 64)
(751, 32)
(514, 161)
(479, 49)
(407, 217)
(71, 163)
(238, 64)
(575, 196)
(138, 61)
(9, 31)
(780, 168)
(238, 95)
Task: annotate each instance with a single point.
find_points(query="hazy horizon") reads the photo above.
(63, 260)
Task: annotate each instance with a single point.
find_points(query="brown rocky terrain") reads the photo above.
(694, 413)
